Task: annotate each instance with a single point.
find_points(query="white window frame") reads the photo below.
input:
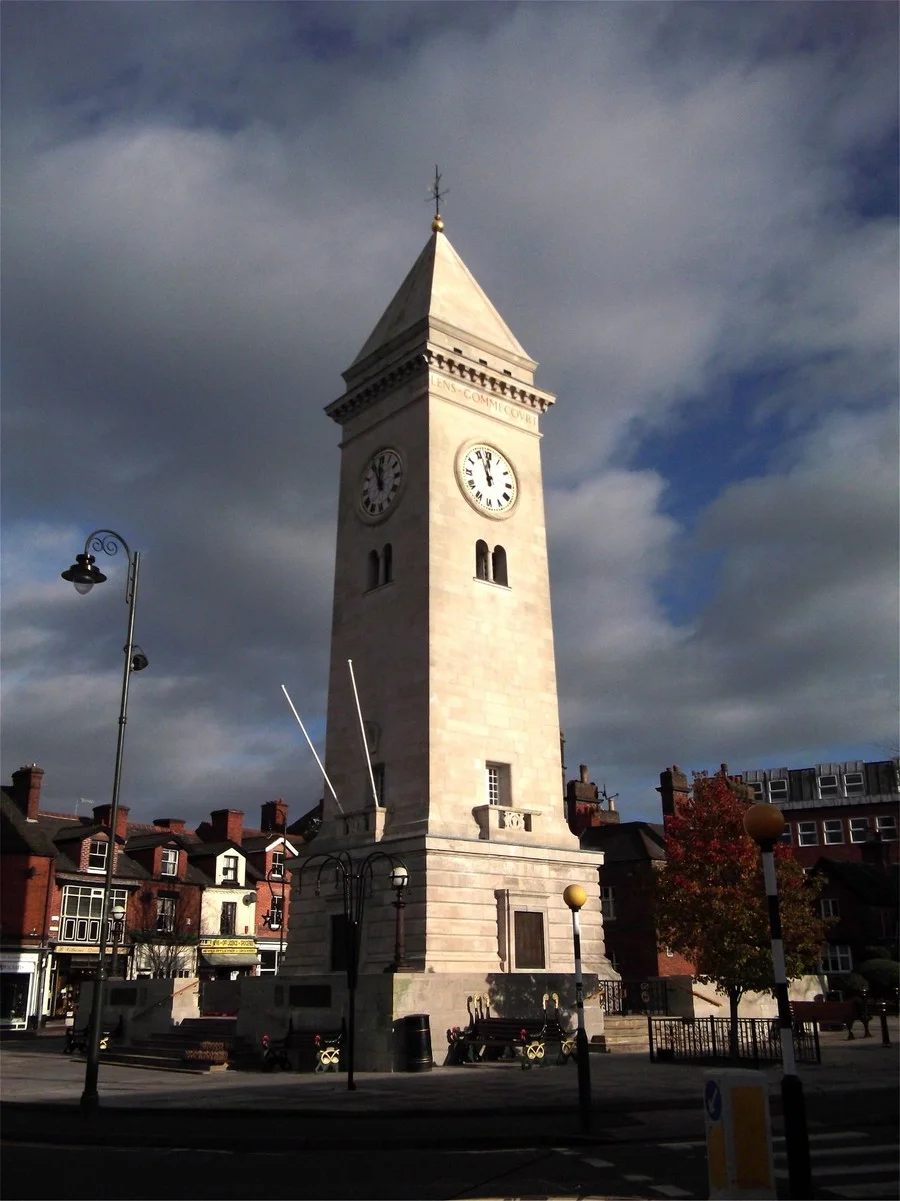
(886, 826)
(230, 874)
(80, 913)
(277, 869)
(608, 902)
(829, 786)
(804, 831)
(276, 912)
(854, 783)
(759, 790)
(168, 862)
(497, 783)
(165, 914)
(778, 791)
(265, 957)
(838, 957)
(859, 829)
(829, 907)
(832, 826)
(98, 845)
(787, 835)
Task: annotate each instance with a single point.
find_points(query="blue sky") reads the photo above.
(686, 212)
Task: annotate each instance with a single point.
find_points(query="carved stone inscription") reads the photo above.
(492, 403)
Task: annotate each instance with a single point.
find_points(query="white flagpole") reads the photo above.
(362, 734)
(311, 747)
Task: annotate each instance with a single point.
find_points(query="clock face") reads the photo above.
(488, 480)
(380, 483)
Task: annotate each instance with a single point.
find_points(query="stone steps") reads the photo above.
(177, 1049)
(626, 1035)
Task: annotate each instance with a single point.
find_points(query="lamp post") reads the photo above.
(271, 875)
(354, 879)
(765, 825)
(575, 897)
(399, 883)
(117, 913)
(84, 575)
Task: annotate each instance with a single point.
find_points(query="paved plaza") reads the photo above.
(632, 1098)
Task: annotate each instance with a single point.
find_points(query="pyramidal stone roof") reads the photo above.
(441, 293)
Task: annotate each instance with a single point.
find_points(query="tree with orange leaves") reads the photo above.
(711, 901)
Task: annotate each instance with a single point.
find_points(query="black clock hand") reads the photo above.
(487, 469)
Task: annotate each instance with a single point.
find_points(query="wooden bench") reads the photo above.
(77, 1040)
(834, 1014)
(489, 1038)
(309, 1050)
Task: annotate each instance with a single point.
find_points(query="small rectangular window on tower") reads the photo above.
(497, 784)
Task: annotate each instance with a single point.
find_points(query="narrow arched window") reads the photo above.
(387, 563)
(374, 567)
(481, 560)
(498, 563)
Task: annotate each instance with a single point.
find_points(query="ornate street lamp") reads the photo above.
(765, 825)
(575, 896)
(84, 574)
(399, 883)
(117, 913)
(355, 879)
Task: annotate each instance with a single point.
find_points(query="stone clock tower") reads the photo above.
(442, 603)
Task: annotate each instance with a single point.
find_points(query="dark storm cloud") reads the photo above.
(208, 206)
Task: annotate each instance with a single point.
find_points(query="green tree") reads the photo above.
(711, 902)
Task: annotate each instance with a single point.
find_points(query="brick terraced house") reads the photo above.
(211, 902)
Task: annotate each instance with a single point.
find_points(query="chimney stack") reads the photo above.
(103, 813)
(226, 825)
(27, 790)
(674, 790)
(273, 817)
(175, 824)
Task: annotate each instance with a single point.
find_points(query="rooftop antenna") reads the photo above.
(437, 196)
(312, 748)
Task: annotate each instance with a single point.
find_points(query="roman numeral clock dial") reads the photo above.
(380, 483)
(487, 480)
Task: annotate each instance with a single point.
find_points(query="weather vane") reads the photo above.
(436, 195)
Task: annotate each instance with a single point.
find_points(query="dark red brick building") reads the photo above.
(196, 901)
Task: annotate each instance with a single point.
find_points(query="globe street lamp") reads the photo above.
(117, 913)
(84, 574)
(399, 883)
(765, 825)
(355, 879)
(575, 897)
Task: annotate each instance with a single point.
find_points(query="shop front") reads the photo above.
(223, 961)
(18, 989)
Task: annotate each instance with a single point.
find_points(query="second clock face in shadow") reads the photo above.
(380, 484)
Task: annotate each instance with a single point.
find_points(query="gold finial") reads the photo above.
(436, 195)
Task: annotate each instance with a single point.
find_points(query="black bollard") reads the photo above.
(885, 1034)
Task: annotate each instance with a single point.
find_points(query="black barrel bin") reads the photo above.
(416, 1043)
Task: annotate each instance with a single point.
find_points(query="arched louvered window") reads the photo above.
(481, 561)
(498, 564)
(373, 570)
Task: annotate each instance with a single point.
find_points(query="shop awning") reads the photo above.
(247, 959)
